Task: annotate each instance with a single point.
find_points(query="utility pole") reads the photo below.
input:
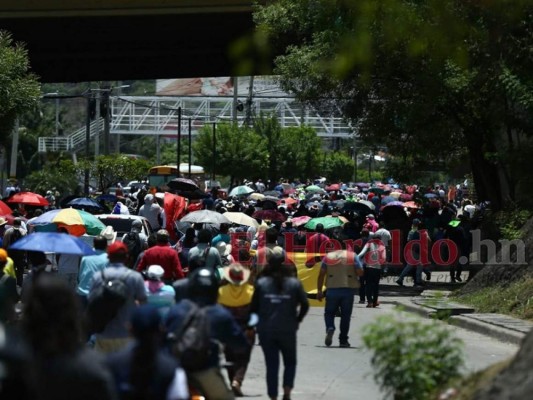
(97, 118)
(178, 153)
(235, 98)
(87, 142)
(107, 118)
(190, 147)
(214, 151)
(14, 151)
(248, 118)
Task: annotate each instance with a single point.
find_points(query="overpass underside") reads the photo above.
(80, 40)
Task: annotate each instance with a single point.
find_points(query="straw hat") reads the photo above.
(110, 234)
(3, 221)
(236, 274)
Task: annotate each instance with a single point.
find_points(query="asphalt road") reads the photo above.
(345, 374)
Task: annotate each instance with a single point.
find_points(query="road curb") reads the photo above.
(484, 328)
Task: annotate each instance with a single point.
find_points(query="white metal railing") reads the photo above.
(140, 115)
(72, 142)
(159, 115)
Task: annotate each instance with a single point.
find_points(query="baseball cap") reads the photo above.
(370, 216)
(116, 248)
(155, 272)
(416, 221)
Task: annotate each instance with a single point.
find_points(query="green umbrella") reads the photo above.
(328, 222)
(313, 188)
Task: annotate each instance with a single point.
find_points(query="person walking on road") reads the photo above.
(236, 297)
(89, 266)
(373, 256)
(281, 303)
(340, 270)
(115, 335)
(164, 255)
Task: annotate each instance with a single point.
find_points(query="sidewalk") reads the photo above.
(435, 304)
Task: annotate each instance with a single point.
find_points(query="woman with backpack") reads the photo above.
(281, 303)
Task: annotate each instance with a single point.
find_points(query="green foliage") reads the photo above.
(411, 359)
(337, 166)
(265, 150)
(428, 79)
(510, 221)
(108, 170)
(19, 89)
(515, 299)
(63, 176)
(239, 151)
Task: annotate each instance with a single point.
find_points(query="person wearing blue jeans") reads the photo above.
(414, 254)
(281, 304)
(272, 345)
(340, 269)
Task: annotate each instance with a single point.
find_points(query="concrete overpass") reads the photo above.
(103, 40)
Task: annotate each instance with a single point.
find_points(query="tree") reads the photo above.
(337, 167)
(19, 89)
(240, 152)
(108, 170)
(299, 153)
(429, 79)
(62, 175)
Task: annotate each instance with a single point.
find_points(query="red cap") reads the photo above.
(117, 247)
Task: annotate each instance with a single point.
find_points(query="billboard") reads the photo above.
(219, 86)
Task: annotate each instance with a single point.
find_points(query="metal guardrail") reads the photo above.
(143, 115)
(72, 142)
(158, 115)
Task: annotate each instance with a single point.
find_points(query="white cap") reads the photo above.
(155, 272)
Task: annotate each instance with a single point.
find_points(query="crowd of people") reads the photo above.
(125, 329)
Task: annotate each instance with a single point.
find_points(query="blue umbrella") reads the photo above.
(51, 242)
(394, 204)
(387, 199)
(84, 202)
(107, 197)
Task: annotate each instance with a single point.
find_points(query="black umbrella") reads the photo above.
(183, 184)
(192, 195)
(272, 193)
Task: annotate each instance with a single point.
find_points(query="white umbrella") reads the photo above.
(205, 217)
(241, 219)
(241, 191)
(257, 196)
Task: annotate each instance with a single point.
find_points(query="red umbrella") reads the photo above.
(28, 198)
(5, 209)
(271, 215)
(333, 187)
(411, 204)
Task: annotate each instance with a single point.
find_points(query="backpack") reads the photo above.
(107, 300)
(191, 341)
(15, 235)
(132, 240)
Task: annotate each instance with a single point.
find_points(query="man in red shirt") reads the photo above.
(164, 255)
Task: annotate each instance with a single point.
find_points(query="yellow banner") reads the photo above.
(308, 276)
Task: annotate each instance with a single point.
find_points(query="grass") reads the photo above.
(466, 387)
(515, 300)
